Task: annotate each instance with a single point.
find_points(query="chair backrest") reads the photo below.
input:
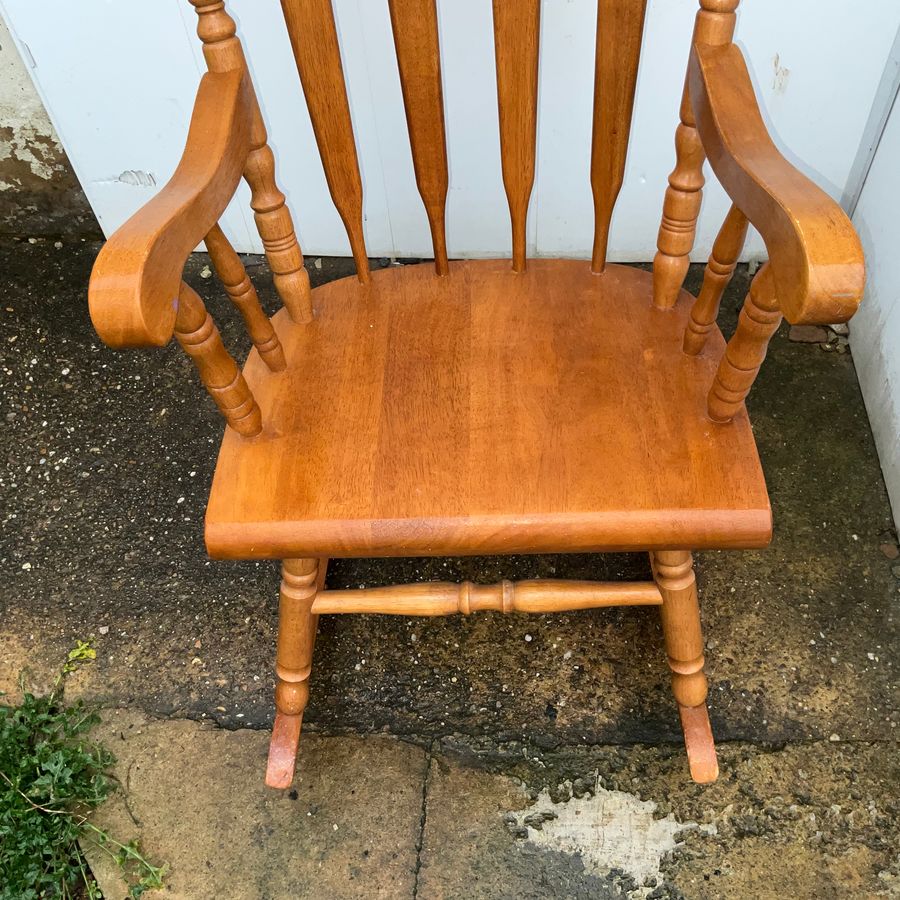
(815, 272)
(314, 40)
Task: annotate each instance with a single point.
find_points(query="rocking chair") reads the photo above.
(482, 406)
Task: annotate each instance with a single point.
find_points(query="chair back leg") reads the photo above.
(680, 611)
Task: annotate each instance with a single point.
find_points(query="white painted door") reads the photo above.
(118, 78)
(875, 330)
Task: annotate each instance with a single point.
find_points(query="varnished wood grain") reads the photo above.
(758, 321)
(814, 252)
(415, 28)
(137, 274)
(310, 25)
(301, 579)
(275, 225)
(488, 412)
(442, 599)
(240, 289)
(222, 48)
(200, 339)
(674, 573)
(516, 34)
(680, 612)
(722, 261)
(620, 27)
(714, 25)
(223, 53)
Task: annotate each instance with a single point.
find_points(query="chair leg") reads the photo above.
(674, 573)
(301, 579)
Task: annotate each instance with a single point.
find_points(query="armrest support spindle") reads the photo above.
(223, 52)
(746, 350)
(240, 289)
(719, 270)
(200, 339)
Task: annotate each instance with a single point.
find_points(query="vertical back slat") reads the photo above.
(414, 23)
(516, 30)
(313, 35)
(620, 26)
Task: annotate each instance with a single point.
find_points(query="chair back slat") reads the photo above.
(414, 23)
(620, 26)
(311, 27)
(516, 34)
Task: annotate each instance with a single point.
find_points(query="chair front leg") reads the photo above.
(680, 610)
(301, 580)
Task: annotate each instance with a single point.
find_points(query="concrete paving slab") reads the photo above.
(194, 796)
(808, 821)
(377, 817)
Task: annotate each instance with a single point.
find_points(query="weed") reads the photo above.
(51, 778)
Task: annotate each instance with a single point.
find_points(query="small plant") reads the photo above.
(51, 778)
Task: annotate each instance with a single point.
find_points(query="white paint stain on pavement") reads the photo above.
(607, 830)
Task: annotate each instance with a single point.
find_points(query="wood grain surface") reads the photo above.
(490, 412)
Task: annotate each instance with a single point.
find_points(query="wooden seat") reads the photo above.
(495, 406)
(487, 412)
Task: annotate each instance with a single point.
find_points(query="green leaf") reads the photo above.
(51, 778)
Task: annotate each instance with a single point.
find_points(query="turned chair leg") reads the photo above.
(674, 574)
(301, 579)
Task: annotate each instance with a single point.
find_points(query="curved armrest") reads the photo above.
(814, 252)
(137, 276)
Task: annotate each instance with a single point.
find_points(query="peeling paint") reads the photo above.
(137, 178)
(40, 191)
(26, 134)
(607, 830)
(40, 152)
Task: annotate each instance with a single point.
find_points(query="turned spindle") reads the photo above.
(223, 52)
(758, 321)
(296, 641)
(714, 25)
(200, 339)
(240, 289)
(442, 599)
(680, 611)
(276, 228)
(719, 270)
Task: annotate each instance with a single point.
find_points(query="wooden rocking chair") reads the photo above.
(482, 407)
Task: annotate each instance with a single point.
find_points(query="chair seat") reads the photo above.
(487, 412)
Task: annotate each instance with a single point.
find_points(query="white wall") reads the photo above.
(118, 78)
(875, 330)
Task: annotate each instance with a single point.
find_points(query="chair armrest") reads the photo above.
(814, 252)
(136, 278)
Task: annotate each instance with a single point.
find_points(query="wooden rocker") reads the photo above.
(482, 407)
